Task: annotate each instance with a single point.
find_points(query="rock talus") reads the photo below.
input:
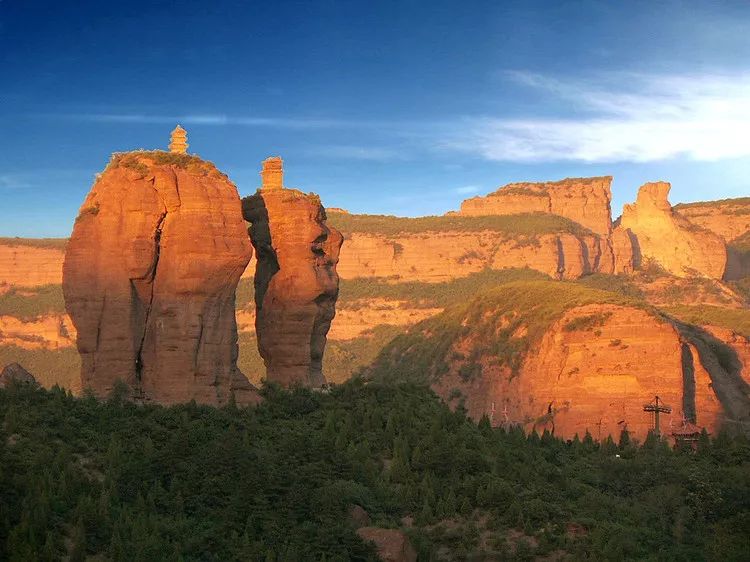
(296, 284)
(149, 280)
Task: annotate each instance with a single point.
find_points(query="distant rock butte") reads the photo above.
(586, 201)
(296, 284)
(666, 237)
(29, 266)
(441, 256)
(149, 280)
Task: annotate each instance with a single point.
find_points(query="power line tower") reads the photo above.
(656, 407)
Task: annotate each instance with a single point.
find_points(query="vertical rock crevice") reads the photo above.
(296, 284)
(152, 299)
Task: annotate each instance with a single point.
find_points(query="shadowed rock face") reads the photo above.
(14, 372)
(149, 280)
(296, 284)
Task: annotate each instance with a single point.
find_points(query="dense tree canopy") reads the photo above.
(80, 477)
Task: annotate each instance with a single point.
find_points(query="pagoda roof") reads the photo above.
(687, 429)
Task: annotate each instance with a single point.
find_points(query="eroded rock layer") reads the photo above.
(296, 284)
(149, 280)
(572, 359)
(586, 201)
(666, 237)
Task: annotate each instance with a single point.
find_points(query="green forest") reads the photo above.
(111, 480)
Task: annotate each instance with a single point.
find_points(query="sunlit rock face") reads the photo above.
(149, 280)
(296, 284)
(664, 236)
(586, 201)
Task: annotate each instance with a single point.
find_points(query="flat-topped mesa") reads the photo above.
(149, 280)
(586, 201)
(296, 284)
(664, 236)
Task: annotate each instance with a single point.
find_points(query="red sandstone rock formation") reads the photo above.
(296, 284)
(440, 256)
(582, 200)
(591, 369)
(666, 237)
(729, 218)
(149, 280)
(29, 266)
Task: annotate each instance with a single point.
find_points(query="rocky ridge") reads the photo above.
(571, 359)
(662, 235)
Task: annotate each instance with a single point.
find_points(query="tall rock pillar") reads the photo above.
(296, 284)
(149, 280)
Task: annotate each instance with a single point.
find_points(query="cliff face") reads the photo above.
(662, 235)
(599, 377)
(574, 360)
(441, 256)
(583, 200)
(149, 280)
(30, 266)
(296, 284)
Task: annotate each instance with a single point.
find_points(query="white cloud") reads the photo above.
(12, 181)
(466, 189)
(207, 119)
(621, 118)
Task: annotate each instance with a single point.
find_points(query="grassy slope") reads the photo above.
(737, 320)
(493, 318)
(531, 224)
(431, 295)
(32, 302)
(113, 481)
(47, 243)
(739, 201)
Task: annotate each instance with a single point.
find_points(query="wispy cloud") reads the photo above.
(620, 118)
(207, 119)
(466, 189)
(12, 181)
(347, 152)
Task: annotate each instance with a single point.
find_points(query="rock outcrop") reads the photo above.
(729, 218)
(442, 256)
(664, 236)
(30, 265)
(572, 361)
(14, 372)
(586, 201)
(296, 284)
(51, 331)
(392, 545)
(149, 280)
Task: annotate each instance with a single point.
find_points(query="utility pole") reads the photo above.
(657, 408)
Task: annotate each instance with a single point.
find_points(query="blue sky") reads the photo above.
(401, 107)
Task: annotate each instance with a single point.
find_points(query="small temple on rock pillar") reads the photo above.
(272, 174)
(178, 141)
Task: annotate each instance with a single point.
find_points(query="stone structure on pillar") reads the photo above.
(272, 174)
(178, 141)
